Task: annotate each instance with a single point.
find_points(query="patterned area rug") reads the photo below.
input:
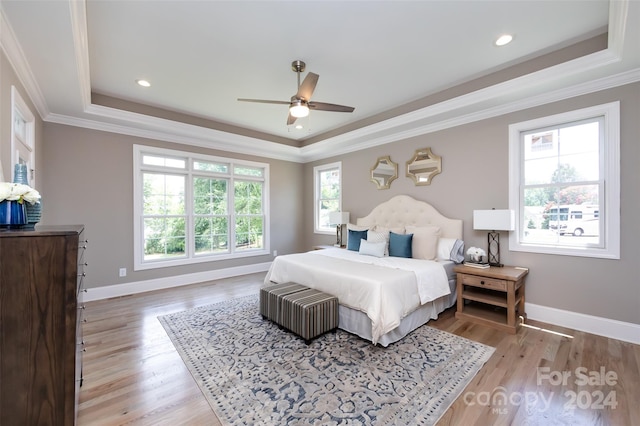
(252, 372)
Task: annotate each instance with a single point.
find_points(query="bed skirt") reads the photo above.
(358, 323)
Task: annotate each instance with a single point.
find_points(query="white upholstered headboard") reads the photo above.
(403, 210)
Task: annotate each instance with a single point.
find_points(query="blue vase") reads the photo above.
(12, 214)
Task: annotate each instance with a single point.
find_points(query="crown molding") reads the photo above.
(387, 132)
(13, 52)
(381, 133)
(181, 133)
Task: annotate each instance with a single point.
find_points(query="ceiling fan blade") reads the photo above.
(323, 106)
(291, 119)
(307, 87)
(264, 101)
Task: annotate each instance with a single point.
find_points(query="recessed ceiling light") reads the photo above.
(143, 83)
(504, 39)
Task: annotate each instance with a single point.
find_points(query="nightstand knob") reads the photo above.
(482, 282)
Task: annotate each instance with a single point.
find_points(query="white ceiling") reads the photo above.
(200, 56)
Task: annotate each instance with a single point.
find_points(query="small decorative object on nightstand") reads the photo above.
(493, 296)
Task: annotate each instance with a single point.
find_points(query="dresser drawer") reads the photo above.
(490, 283)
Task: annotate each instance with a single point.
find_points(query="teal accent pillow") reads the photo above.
(353, 243)
(400, 244)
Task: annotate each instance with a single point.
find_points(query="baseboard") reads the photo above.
(606, 327)
(117, 290)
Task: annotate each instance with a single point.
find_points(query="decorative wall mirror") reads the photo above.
(424, 166)
(384, 172)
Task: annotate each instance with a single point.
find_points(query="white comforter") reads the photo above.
(386, 289)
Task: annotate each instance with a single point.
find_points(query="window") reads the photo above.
(193, 208)
(565, 183)
(22, 137)
(327, 183)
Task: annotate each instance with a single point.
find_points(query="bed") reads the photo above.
(383, 297)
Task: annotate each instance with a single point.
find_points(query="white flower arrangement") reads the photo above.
(476, 254)
(18, 192)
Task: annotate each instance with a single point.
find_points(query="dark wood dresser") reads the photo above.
(41, 282)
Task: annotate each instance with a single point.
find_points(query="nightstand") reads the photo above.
(492, 296)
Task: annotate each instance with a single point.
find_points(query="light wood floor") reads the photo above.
(134, 376)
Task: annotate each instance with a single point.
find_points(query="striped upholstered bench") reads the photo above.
(271, 299)
(304, 311)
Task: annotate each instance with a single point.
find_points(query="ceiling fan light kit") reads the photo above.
(298, 108)
(301, 103)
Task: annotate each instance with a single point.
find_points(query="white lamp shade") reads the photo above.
(494, 220)
(338, 218)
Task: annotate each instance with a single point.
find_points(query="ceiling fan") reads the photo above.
(301, 102)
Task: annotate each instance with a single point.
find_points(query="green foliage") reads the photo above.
(535, 196)
(249, 219)
(248, 197)
(164, 224)
(330, 184)
(561, 190)
(165, 237)
(224, 196)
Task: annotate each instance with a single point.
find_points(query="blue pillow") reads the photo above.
(400, 244)
(353, 243)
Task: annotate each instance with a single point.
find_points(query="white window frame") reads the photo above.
(609, 177)
(190, 256)
(316, 196)
(23, 141)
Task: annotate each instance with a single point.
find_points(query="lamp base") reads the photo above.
(493, 242)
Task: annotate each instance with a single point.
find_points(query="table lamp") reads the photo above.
(338, 219)
(494, 220)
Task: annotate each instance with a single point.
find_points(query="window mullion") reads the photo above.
(231, 214)
(189, 212)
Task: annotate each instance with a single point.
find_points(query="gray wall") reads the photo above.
(475, 176)
(88, 180)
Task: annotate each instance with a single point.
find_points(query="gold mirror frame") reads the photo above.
(424, 166)
(384, 172)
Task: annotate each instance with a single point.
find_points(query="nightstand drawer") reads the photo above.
(490, 283)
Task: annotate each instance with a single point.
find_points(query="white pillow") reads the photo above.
(379, 237)
(445, 245)
(372, 249)
(425, 241)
